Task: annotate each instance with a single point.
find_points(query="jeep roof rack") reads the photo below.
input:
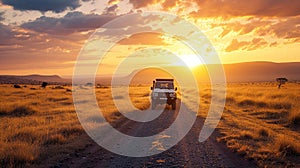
(164, 79)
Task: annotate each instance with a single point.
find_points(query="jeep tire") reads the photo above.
(173, 105)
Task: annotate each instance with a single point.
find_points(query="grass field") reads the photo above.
(262, 123)
(39, 126)
(34, 124)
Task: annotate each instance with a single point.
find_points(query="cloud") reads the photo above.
(25, 49)
(113, 2)
(32, 50)
(1, 16)
(225, 8)
(47, 42)
(288, 28)
(168, 4)
(143, 39)
(13, 36)
(56, 6)
(6, 34)
(254, 44)
(285, 30)
(70, 23)
(111, 9)
(142, 3)
(242, 27)
(235, 45)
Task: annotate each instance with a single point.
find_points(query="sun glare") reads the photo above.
(191, 61)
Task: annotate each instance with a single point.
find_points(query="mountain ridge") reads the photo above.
(260, 71)
(32, 79)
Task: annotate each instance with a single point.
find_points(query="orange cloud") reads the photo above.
(142, 3)
(23, 49)
(143, 39)
(225, 8)
(113, 2)
(168, 4)
(287, 28)
(254, 44)
(278, 31)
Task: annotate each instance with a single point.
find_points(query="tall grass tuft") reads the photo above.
(294, 117)
(287, 147)
(18, 154)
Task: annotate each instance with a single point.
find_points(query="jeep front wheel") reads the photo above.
(173, 105)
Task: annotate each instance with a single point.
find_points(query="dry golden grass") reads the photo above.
(33, 122)
(259, 122)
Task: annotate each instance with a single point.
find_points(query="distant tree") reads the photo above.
(44, 84)
(281, 81)
(89, 84)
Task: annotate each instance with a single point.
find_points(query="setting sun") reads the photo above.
(191, 61)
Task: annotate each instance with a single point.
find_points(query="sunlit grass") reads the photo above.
(33, 122)
(259, 122)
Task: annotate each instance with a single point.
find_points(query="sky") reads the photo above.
(46, 36)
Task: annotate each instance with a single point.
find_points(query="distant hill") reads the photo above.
(32, 79)
(239, 72)
(261, 71)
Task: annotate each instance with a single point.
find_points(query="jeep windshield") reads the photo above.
(164, 85)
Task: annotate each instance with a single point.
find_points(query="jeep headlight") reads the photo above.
(172, 95)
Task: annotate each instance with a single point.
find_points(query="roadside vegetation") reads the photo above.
(261, 123)
(37, 126)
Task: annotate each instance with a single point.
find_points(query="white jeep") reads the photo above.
(163, 92)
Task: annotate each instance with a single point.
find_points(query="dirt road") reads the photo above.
(189, 152)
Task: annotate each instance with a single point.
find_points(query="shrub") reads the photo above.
(287, 147)
(246, 135)
(19, 111)
(263, 132)
(295, 120)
